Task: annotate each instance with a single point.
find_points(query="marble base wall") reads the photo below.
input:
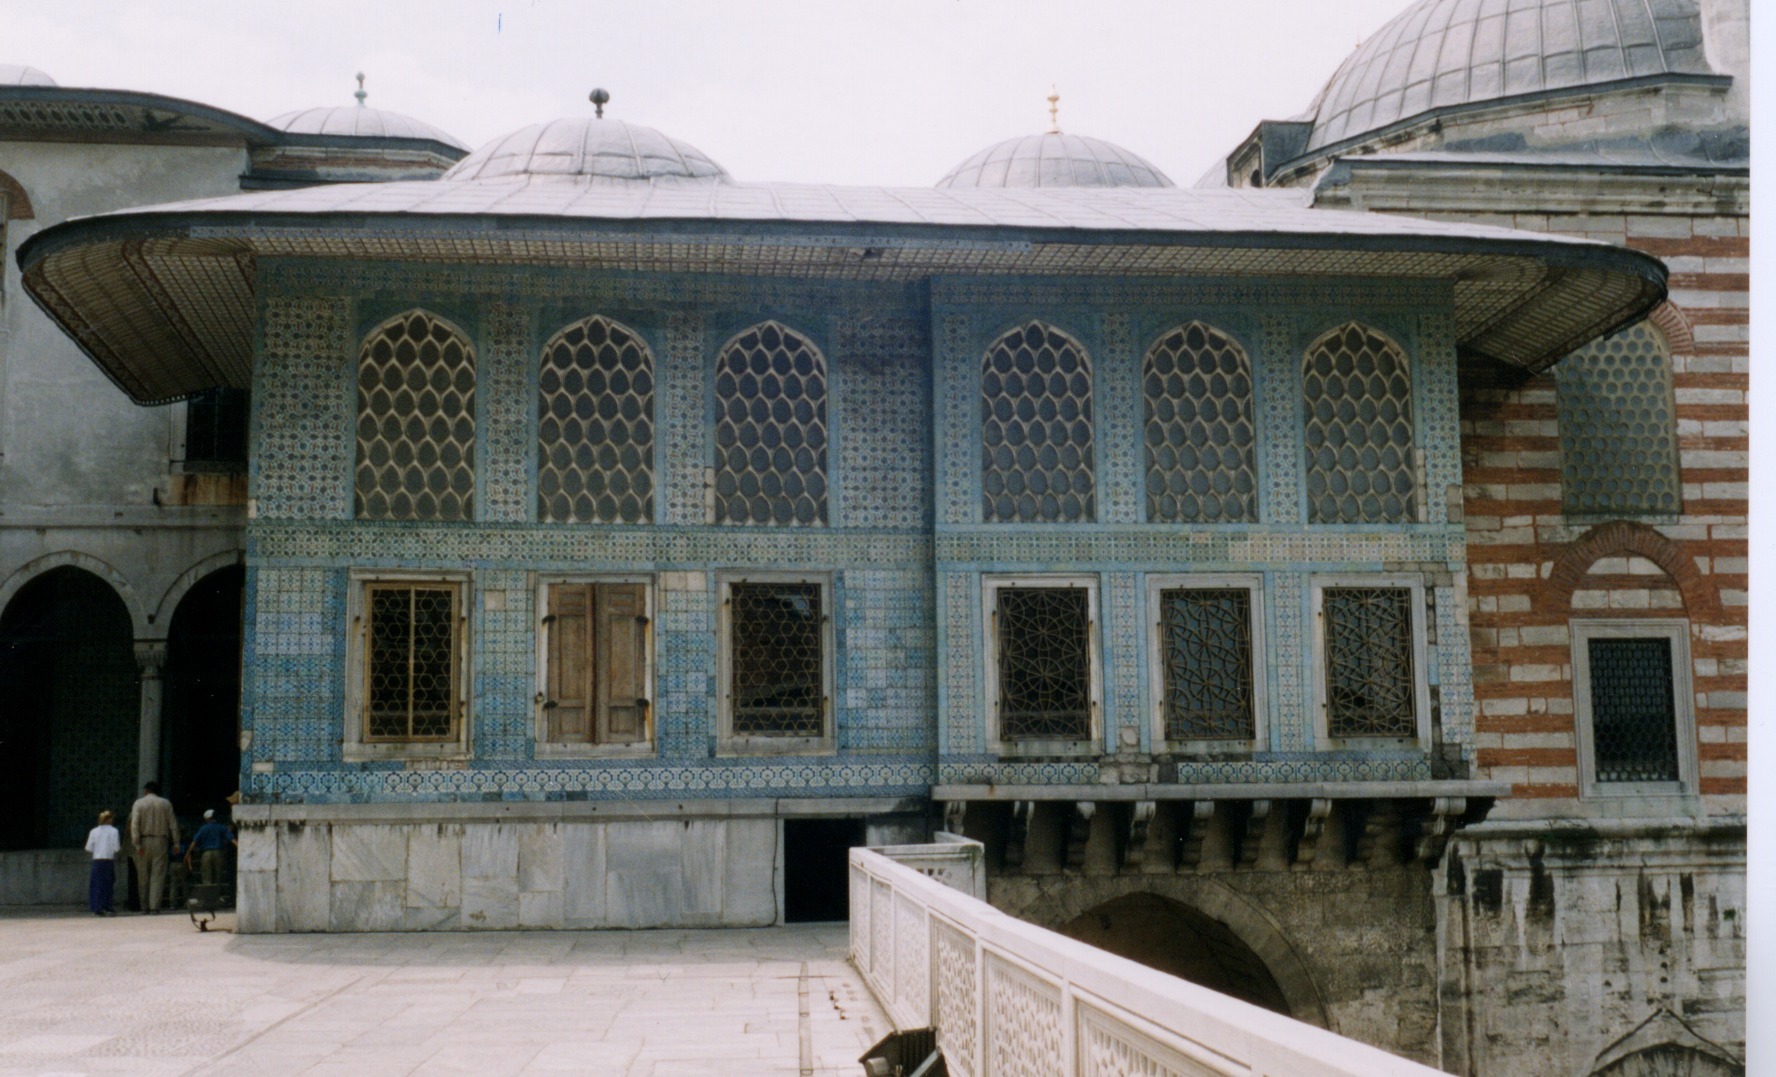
(52, 877)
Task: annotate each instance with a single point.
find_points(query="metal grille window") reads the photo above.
(1043, 636)
(770, 430)
(1633, 710)
(416, 422)
(1036, 431)
(1201, 440)
(216, 428)
(1371, 686)
(1618, 427)
(411, 644)
(777, 664)
(1358, 389)
(595, 426)
(1206, 647)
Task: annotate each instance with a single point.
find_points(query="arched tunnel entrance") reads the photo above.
(200, 710)
(69, 709)
(1173, 937)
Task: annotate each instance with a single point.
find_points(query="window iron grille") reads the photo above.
(1360, 469)
(595, 426)
(1201, 441)
(1206, 641)
(1618, 429)
(416, 422)
(411, 662)
(1370, 675)
(216, 428)
(1044, 643)
(1036, 430)
(1633, 710)
(777, 633)
(770, 430)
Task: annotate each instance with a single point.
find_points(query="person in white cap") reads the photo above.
(209, 843)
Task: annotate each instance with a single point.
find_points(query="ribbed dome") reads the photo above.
(595, 150)
(361, 122)
(1055, 160)
(1444, 53)
(20, 75)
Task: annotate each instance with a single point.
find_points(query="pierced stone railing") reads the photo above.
(1010, 999)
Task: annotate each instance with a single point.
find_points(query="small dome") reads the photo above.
(362, 122)
(1446, 53)
(597, 150)
(1055, 160)
(20, 75)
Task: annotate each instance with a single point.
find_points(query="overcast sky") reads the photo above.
(836, 91)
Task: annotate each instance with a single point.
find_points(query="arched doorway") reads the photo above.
(1173, 937)
(69, 709)
(200, 707)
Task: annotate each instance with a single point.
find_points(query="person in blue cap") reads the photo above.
(209, 843)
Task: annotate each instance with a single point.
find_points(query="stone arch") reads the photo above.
(30, 570)
(169, 602)
(1254, 928)
(1674, 326)
(1624, 537)
(18, 203)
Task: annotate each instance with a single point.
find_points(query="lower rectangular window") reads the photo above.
(1634, 708)
(1206, 637)
(595, 663)
(1370, 667)
(777, 639)
(1040, 652)
(412, 640)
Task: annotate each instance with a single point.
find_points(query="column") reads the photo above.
(151, 659)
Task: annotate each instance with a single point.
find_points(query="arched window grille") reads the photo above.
(1618, 427)
(416, 422)
(1201, 439)
(770, 430)
(1358, 390)
(595, 426)
(1036, 432)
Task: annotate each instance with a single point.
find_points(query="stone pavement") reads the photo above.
(149, 996)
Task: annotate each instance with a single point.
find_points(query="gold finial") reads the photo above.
(1054, 111)
(360, 95)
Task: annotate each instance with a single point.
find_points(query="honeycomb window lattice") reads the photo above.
(1618, 427)
(410, 667)
(595, 426)
(1370, 676)
(1044, 641)
(1358, 391)
(777, 660)
(1633, 710)
(1206, 645)
(416, 422)
(770, 431)
(1200, 435)
(1037, 448)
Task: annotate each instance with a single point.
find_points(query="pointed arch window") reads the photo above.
(770, 430)
(1201, 441)
(595, 426)
(1618, 427)
(1357, 385)
(416, 422)
(1037, 451)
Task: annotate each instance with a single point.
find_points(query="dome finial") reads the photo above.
(360, 95)
(1054, 110)
(599, 98)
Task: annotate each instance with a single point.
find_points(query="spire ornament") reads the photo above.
(599, 98)
(1054, 111)
(360, 95)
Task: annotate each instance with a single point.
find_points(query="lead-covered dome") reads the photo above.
(589, 149)
(1448, 53)
(1054, 159)
(20, 75)
(362, 122)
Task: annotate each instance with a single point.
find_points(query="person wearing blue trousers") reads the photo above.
(103, 843)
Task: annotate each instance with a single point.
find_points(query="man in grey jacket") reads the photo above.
(152, 830)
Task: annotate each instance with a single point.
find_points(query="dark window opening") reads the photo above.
(816, 875)
(1206, 641)
(1370, 683)
(1633, 710)
(1044, 636)
(216, 429)
(777, 664)
(411, 663)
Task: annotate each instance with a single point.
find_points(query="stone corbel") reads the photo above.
(1446, 814)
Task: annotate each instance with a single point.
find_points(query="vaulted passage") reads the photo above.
(1175, 938)
(200, 713)
(68, 710)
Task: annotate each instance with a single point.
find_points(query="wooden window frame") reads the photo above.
(1090, 746)
(1157, 585)
(547, 746)
(727, 742)
(356, 744)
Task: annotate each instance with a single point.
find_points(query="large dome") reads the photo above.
(362, 122)
(20, 75)
(590, 149)
(1447, 53)
(1055, 160)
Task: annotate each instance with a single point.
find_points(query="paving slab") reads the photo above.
(150, 996)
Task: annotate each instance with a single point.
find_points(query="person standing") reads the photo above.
(152, 829)
(103, 843)
(209, 844)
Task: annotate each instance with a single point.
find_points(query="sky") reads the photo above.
(818, 91)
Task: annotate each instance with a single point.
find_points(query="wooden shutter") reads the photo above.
(622, 662)
(569, 703)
